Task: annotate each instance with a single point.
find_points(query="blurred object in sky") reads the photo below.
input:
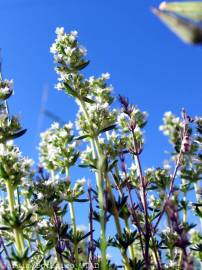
(183, 18)
(53, 116)
(44, 99)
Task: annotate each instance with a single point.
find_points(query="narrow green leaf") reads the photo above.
(4, 228)
(107, 128)
(79, 138)
(18, 134)
(70, 90)
(81, 65)
(190, 10)
(184, 29)
(88, 100)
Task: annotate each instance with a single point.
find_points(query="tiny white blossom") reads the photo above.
(59, 31)
(105, 76)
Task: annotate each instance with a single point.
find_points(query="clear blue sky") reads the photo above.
(147, 63)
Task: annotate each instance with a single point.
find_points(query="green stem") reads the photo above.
(101, 159)
(19, 241)
(72, 215)
(73, 219)
(99, 182)
(117, 222)
(198, 197)
(131, 249)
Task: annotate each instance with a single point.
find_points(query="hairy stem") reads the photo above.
(19, 240)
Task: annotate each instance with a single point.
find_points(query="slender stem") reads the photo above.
(120, 189)
(91, 249)
(156, 254)
(143, 197)
(11, 202)
(99, 182)
(72, 215)
(197, 190)
(131, 249)
(170, 190)
(73, 219)
(116, 220)
(133, 212)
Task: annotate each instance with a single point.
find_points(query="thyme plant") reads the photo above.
(151, 216)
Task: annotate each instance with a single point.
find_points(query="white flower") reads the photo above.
(133, 167)
(150, 170)
(53, 48)
(69, 125)
(101, 140)
(55, 125)
(168, 114)
(59, 31)
(91, 79)
(74, 33)
(105, 76)
(81, 181)
(68, 50)
(40, 196)
(63, 133)
(83, 50)
(72, 38)
(59, 86)
(43, 224)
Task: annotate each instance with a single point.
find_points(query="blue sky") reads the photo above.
(147, 63)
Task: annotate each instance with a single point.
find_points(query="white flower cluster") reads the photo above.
(99, 117)
(14, 167)
(6, 88)
(170, 123)
(78, 187)
(64, 46)
(68, 54)
(137, 119)
(57, 148)
(86, 156)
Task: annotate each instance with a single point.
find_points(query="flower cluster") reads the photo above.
(6, 89)
(172, 127)
(69, 56)
(57, 148)
(14, 167)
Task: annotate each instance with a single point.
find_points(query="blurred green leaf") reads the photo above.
(184, 29)
(190, 10)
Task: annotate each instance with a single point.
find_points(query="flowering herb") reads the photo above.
(149, 209)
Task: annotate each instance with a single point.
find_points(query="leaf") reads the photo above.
(190, 10)
(184, 29)
(197, 247)
(81, 65)
(111, 166)
(18, 134)
(81, 137)
(81, 200)
(3, 173)
(107, 128)
(70, 90)
(4, 228)
(4, 97)
(88, 100)
(74, 159)
(87, 165)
